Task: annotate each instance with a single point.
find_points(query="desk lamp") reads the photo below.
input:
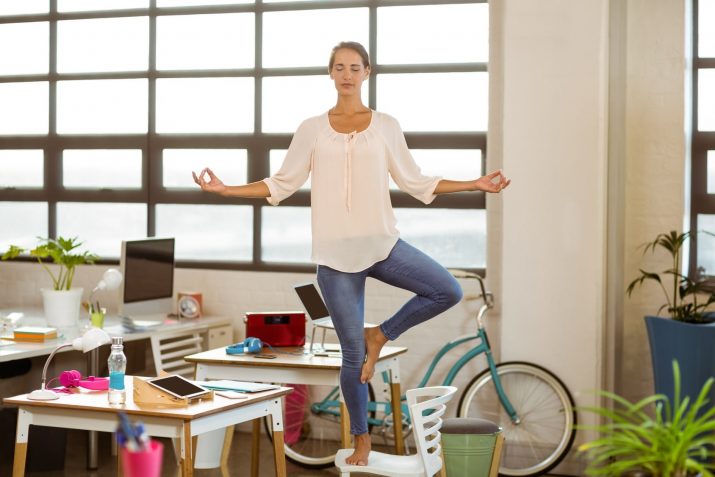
(93, 338)
(110, 281)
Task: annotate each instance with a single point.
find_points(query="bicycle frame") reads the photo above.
(330, 404)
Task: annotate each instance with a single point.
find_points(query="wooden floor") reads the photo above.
(239, 460)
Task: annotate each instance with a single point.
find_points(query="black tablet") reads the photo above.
(178, 386)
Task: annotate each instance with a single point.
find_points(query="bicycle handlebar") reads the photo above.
(487, 296)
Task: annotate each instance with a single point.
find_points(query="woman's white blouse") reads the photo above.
(352, 218)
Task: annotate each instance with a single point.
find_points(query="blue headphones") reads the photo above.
(249, 345)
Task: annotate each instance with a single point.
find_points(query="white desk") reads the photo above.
(112, 325)
(90, 411)
(219, 332)
(305, 369)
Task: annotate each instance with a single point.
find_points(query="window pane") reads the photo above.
(208, 232)
(312, 33)
(276, 160)
(184, 3)
(105, 44)
(102, 168)
(706, 244)
(216, 41)
(454, 164)
(457, 101)
(30, 51)
(455, 238)
(285, 233)
(711, 172)
(706, 99)
(88, 5)
(284, 110)
(17, 7)
(21, 168)
(706, 32)
(202, 105)
(231, 165)
(434, 33)
(101, 226)
(102, 106)
(29, 221)
(25, 108)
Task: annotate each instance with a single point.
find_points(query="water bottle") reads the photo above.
(117, 364)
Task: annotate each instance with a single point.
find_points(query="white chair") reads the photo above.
(427, 405)
(169, 350)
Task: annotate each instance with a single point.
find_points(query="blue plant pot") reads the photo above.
(692, 345)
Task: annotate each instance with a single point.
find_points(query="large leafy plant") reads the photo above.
(676, 442)
(59, 251)
(688, 300)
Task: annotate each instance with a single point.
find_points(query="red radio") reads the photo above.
(277, 328)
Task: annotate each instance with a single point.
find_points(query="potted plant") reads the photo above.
(61, 302)
(656, 436)
(689, 335)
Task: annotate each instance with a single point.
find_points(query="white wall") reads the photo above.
(555, 150)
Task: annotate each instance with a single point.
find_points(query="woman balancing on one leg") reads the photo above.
(350, 153)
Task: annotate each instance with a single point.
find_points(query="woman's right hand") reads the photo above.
(214, 184)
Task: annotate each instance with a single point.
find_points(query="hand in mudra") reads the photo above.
(492, 182)
(213, 184)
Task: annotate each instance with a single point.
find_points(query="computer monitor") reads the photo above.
(148, 269)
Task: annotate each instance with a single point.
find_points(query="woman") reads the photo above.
(350, 152)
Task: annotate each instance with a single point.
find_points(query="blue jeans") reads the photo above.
(435, 290)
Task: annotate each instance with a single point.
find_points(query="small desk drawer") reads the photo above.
(220, 336)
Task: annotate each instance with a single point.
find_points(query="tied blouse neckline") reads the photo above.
(353, 223)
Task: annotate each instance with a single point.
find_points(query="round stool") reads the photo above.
(471, 447)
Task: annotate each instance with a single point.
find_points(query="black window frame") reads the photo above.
(701, 142)
(258, 144)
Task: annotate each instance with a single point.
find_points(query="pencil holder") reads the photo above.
(145, 463)
(97, 318)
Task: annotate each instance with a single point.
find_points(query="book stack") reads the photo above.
(35, 333)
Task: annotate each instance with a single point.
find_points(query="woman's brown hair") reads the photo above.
(351, 45)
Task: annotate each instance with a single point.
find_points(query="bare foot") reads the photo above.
(374, 341)
(362, 450)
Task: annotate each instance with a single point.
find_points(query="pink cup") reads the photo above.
(146, 463)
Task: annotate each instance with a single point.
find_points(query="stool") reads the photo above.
(471, 447)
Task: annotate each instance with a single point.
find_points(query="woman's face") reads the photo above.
(348, 72)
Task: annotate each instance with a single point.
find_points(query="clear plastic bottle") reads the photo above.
(117, 364)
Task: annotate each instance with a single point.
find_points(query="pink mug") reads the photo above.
(146, 463)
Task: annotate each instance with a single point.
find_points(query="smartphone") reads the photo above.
(265, 356)
(178, 386)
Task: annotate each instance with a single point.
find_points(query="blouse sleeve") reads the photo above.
(403, 168)
(296, 166)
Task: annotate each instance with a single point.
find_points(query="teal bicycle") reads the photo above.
(531, 404)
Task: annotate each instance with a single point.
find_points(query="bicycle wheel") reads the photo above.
(311, 424)
(544, 432)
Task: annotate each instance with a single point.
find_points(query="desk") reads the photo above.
(23, 349)
(305, 369)
(219, 332)
(90, 411)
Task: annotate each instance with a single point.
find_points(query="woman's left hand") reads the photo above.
(489, 184)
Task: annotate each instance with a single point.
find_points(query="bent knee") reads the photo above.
(450, 294)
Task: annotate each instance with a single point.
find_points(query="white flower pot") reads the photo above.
(62, 306)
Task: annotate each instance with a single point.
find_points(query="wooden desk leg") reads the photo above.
(397, 407)
(187, 461)
(279, 457)
(227, 440)
(345, 426)
(23, 429)
(256, 447)
(496, 458)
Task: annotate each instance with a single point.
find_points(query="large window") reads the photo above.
(105, 113)
(702, 255)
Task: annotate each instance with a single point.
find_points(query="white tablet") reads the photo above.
(178, 386)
